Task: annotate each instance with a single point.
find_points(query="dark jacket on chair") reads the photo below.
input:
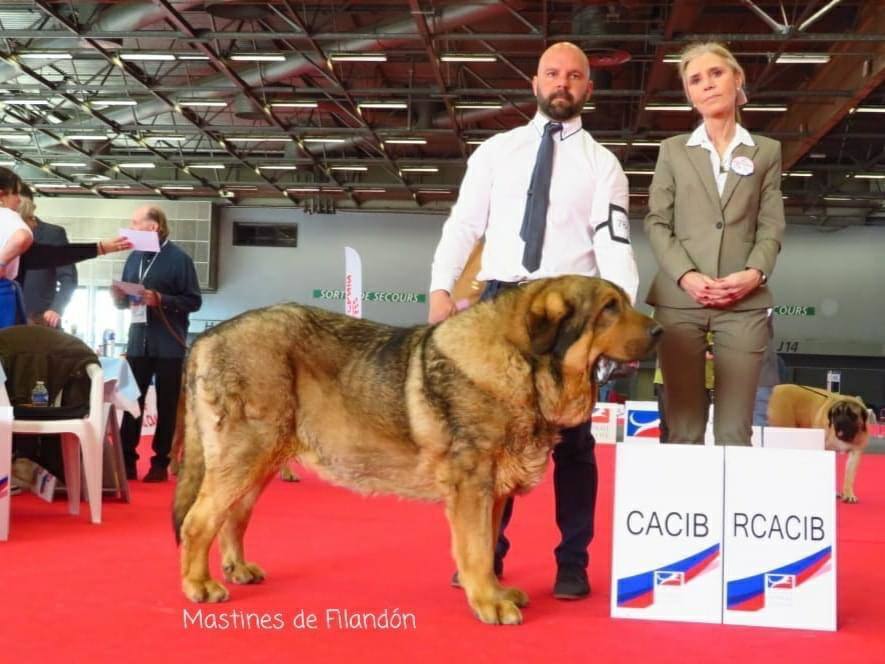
(31, 352)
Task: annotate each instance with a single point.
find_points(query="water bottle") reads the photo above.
(109, 339)
(40, 395)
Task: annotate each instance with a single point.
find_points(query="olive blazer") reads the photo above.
(690, 227)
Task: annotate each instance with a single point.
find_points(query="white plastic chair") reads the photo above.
(88, 433)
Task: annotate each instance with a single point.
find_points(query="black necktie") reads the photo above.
(534, 221)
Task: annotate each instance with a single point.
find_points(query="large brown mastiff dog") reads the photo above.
(464, 412)
(844, 418)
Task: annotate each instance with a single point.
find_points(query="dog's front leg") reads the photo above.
(469, 509)
(851, 465)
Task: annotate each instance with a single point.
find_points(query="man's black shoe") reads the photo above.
(131, 472)
(156, 475)
(499, 572)
(571, 583)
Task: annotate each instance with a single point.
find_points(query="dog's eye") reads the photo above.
(612, 306)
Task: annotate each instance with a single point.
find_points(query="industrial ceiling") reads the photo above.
(377, 104)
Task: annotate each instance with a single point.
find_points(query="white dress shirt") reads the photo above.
(10, 222)
(587, 229)
(720, 166)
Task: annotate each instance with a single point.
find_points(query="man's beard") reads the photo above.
(566, 111)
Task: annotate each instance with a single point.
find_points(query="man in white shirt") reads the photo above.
(587, 232)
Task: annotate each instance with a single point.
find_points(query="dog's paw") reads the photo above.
(497, 611)
(243, 572)
(204, 591)
(514, 595)
(849, 498)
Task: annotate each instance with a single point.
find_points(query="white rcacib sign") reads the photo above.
(666, 560)
(780, 538)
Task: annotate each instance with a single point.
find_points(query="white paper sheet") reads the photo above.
(142, 240)
(128, 287)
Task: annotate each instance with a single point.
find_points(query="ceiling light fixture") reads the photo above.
(259, 139)
(27, 102)
(358, 57)
(358, 169)
(67, 164)
(405, 141)
(802, 58)
(667, 107)
(258, 57)
(280, 167)
(177, 187)
(383, 104)
(138, 164)
(321, 139)
(113, 102)
(293, 104)
(468, 57)
(869, 176)
(419, 169)
(193, 103)
(147, 57)
(478, 105)
(215, 167)
(764, 108)
(43, 55)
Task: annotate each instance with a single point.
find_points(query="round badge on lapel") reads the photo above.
(742, 165)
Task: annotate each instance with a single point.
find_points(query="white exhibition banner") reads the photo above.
(5, 467)
(780, 538)
(353, 283)
(604, 422)
(666, 557)
(642, 422)
(788, 438)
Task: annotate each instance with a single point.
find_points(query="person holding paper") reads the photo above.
(160, 289)
(715, 225)
(19, 252)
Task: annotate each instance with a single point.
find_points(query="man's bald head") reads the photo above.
(562, 85)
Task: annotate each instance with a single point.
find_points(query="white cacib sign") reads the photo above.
(353, 283)
(666, 560)
(780, 538)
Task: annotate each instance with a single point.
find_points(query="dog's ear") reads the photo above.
(547, 314)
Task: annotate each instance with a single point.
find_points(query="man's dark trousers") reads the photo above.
(168, 384)
(575, 478)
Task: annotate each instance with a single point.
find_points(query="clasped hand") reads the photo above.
(723, 292)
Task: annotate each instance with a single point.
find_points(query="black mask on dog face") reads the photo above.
(845, 422)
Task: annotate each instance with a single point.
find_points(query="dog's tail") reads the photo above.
(192, 465)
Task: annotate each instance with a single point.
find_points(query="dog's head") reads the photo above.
(847, 418)
(572, 322)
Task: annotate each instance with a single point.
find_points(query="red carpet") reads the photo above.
(110, 593)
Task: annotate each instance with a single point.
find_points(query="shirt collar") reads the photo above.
(569, 127)
(700, 137)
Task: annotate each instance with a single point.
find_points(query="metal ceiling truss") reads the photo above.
(260, 149)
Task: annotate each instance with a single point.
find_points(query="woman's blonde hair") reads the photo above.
(697, 49)
(27, 210)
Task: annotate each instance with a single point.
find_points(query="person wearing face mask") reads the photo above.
(157, 334)
(549, 201)
(715, 224)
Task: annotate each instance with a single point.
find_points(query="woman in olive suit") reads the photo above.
(715, 224)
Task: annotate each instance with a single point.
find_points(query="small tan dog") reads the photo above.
(844, 418)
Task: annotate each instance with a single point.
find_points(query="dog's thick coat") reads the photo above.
(464, 412)
(843, 417)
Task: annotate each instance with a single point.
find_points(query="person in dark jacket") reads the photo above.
(157, 334)
(47, 291)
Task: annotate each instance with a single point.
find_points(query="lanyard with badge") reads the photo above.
(138, 308)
